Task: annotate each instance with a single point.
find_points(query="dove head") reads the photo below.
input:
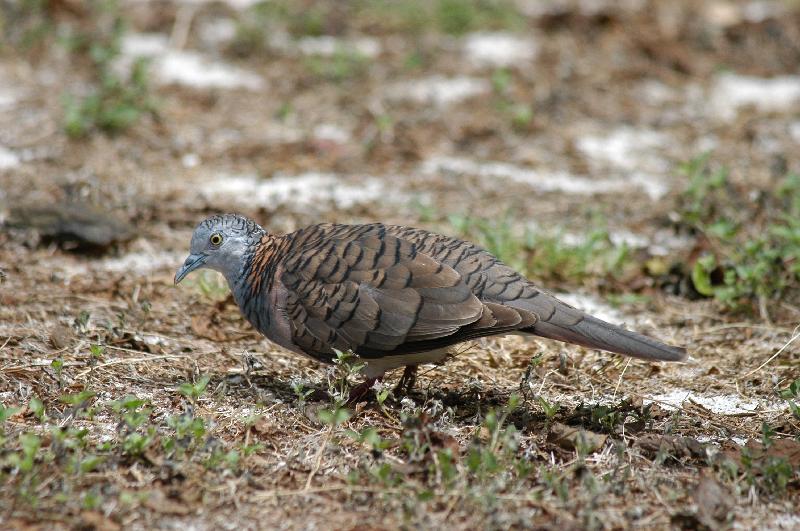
(220, 243)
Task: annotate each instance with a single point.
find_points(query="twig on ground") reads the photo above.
(795, 335)
(131, 361)
(621, 375)
(329, 488)
(318, 459)
(36, 364)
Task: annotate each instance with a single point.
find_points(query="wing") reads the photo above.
(492, 281)
(377, 295)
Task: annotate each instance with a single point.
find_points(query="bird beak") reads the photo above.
(193, 261)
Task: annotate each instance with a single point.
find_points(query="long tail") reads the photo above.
(571, 325)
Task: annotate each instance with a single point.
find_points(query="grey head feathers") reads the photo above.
(232, 222)
(221, 243)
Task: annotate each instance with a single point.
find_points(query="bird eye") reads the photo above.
(216, 239)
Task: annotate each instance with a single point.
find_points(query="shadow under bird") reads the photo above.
(393, 295)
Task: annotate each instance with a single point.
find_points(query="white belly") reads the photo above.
(376, 367)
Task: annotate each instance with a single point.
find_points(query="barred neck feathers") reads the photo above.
(256, 277)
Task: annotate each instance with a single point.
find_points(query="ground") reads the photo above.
(637, 158)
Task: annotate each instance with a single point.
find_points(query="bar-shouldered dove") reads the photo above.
(395, 296)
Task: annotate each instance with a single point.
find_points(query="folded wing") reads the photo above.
(378, 295)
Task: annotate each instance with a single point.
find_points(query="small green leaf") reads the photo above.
(232, 458)
(550, 410)
(37, 406)
(129, 403)
(425, 495)
(334, 416)
(89, 463)
(795, 409)
(77, 399)
(701, 275)
(30, 443)
(7, 412)
(196, 390)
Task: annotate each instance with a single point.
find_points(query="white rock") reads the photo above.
(8, 159)
(218, 31)
(732, 91)
(327, 45)
(331, 133)
(762, 10)
(140, 263)
(499, 49)
(537, 179)
(238, 5)
(190, 160)
(626, 147)
(185, 67)
(794, 131)
(194, 70)
(439, 90)
(635, 152)
(144, 44)
(720, 404)
(8, 97)
(657, 93)
(302, 191)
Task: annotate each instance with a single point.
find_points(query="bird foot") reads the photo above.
(407, 381)
(359, 392)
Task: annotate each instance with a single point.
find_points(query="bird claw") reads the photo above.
(359, 392)
(407, 381)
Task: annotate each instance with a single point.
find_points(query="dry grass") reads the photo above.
(263, 458)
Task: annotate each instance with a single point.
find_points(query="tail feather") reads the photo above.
(574, 326)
